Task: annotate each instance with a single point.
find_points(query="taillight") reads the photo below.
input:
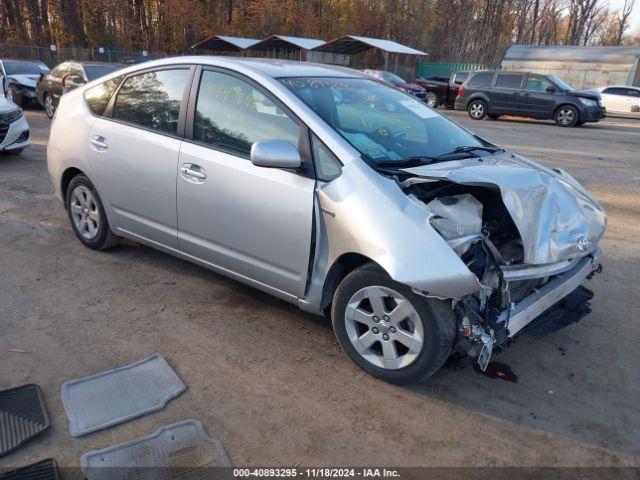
(460, 91)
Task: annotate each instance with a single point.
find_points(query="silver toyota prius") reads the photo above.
(333, 191)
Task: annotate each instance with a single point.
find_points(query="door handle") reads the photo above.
(100, 143)
(191, 170)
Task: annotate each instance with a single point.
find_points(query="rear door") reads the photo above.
(253, 221)
(506, 93)
(134, 150)
(614, 99)
(536, 100)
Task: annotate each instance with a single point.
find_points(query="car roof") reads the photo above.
(267, 66)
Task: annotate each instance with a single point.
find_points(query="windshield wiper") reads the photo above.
(470, 149)
(407, 162)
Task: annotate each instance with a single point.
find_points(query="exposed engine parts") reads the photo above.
(479, 228)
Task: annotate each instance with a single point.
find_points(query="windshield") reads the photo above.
(382, 123)
(560, 83)
(24, 68)
(97, 71)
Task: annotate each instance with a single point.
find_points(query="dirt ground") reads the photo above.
(271, 383)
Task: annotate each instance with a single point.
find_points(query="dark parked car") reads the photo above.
(396, 81)
(441, 90)
(67, 76)
(491, 94)
(21, 78)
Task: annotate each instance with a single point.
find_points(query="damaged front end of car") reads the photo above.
(529, 235)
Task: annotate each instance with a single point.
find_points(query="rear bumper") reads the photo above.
(545, 297)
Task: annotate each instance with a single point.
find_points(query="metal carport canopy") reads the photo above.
(287, 43)
(350, 44)
(226, 43)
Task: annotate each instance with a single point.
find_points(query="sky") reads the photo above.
(634, 20)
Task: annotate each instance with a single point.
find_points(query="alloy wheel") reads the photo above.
(476, 110)
(48, 105)
(432, 100)
(566, 116)
(384, 327)
(85, 212)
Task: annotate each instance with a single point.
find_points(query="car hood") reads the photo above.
(6, 105)
(556, 217)
(592, 94)
(26, 80)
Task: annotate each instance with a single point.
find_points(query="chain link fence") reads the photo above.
(53, 55)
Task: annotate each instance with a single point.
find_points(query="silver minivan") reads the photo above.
(333, 191)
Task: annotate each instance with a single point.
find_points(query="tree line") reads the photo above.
(477, 31)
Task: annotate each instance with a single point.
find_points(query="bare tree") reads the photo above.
(623, 19)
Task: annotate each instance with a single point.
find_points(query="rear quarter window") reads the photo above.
(481, 80)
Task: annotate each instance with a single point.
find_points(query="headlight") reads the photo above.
(588, 102)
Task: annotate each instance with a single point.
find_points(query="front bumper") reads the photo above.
(592, 114)
(14, 138)
(531, 307)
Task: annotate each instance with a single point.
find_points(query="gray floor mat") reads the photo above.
(115, 396)
(179, 451)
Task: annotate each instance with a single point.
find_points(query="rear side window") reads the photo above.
(481, 80)
(509, 81)
(152, 100)
(633, 93)
(459, 78)
(232, 114)
(615, 91)
(98, 97)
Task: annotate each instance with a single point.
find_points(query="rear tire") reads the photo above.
(421, 334)
(87, 216)
(477, 109)
(566, 116)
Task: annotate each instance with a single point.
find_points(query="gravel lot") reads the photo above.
(270, 381)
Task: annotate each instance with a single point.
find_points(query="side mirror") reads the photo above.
(275, 154)
(551, 89)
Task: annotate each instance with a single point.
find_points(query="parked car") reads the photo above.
(14, 129)
(443, 91)
(334, 192)
(491, 94)
(621, 99)
(68, 76)
(398, 82)
(22, 77)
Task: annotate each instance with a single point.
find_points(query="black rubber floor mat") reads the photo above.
(43, 470)
(23, 416)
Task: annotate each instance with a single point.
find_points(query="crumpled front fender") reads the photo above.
(368, 214)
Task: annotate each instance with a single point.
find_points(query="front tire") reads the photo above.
(87, 216)
(432, 100)
(389, 331)
(17, 151)
(477, 109)
(49, 107)
(566, 116)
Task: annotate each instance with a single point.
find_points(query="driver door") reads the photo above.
(254, 222)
